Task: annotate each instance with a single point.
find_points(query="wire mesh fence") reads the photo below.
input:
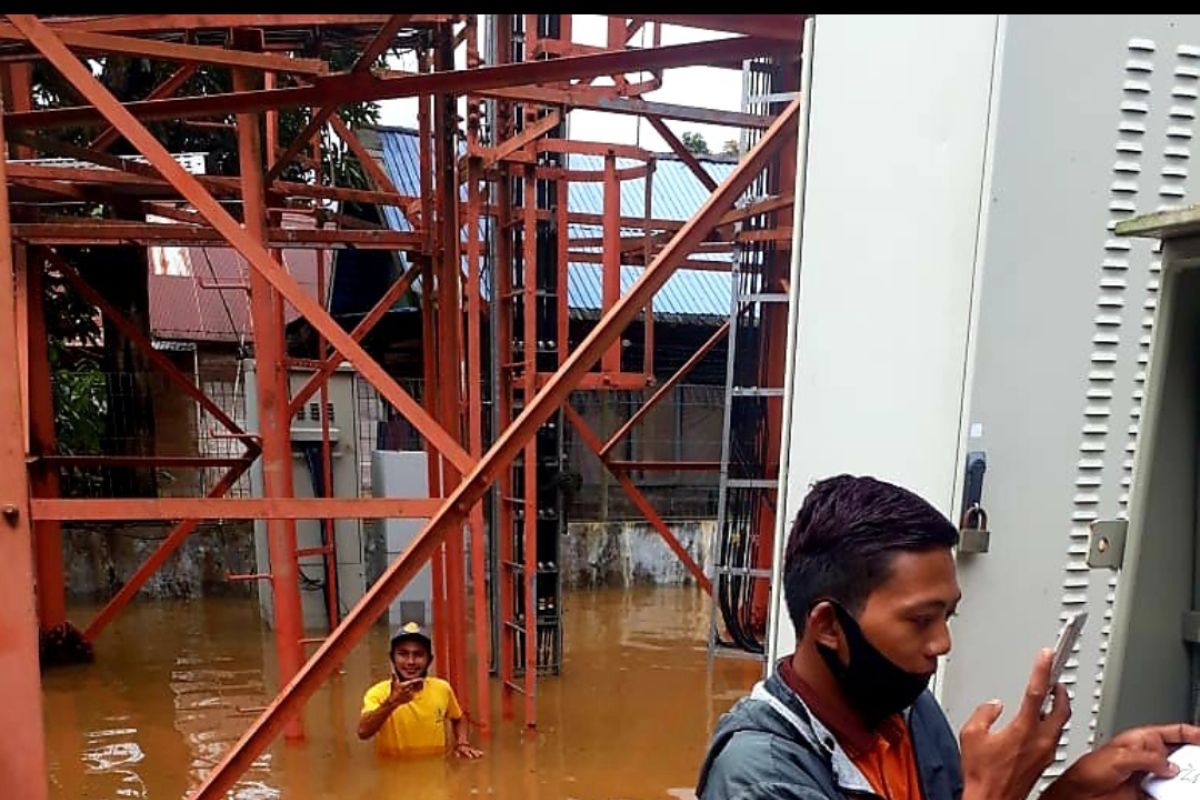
(136, 416)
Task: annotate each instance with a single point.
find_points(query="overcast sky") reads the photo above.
(707, 87)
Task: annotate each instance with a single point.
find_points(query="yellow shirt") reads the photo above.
(419, 726)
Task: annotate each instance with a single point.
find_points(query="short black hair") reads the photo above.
(844, 539)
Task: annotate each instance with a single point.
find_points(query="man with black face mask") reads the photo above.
(870, 583)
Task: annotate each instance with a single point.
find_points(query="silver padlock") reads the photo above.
(973, 534)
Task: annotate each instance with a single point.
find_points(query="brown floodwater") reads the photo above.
(176, 683)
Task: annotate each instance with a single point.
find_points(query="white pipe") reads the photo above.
(782, 520)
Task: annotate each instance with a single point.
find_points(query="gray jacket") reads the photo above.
(770, 746)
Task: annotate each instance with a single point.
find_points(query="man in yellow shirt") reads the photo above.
(408, 713)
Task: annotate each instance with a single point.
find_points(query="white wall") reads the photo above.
(898, 128)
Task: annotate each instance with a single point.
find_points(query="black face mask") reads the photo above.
(875, 687)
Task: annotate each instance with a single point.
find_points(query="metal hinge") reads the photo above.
(1106, 546)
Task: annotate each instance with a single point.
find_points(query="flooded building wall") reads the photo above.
(630, 552)
(99, 558)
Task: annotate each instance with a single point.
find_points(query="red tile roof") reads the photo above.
(185, 307)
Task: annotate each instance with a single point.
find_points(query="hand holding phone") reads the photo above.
(1068, 637)
(404, 691)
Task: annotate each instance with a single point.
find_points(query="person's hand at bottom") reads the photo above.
(1114, 771)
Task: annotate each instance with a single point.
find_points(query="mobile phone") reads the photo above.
(1067, 639)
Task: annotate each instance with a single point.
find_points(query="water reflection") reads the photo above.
(175, 684)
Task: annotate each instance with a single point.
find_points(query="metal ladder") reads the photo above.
(735, 578)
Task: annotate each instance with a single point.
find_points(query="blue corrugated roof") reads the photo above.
(676, 195)
(401, 157)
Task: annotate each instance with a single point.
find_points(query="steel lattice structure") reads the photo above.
(513, 177)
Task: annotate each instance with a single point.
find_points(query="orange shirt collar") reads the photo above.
(852, 734)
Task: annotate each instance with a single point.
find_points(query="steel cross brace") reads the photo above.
(635, 495)
(457, 505)
(253, 251)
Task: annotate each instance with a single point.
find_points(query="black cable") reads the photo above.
(740, 539)
(316, 473)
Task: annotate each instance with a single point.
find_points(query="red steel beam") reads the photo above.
(592, 176)
(103, 43)
(380, 43)
(375, 173)
(71, 192)
(250, 249)
(594, 148)
(648, 241)
(159, 209)
(16, 88)
(156, 559)
(140, 341)
(329, 532)
(386, 198)
(635, 258)
(121, 172)
(502, 307)
(735, 215)
(23, 747)
(562, 267)
(473, 337)
(780, 234)
(754, 209)
(610, 271)
(474, 357)
(606, 380)
(21, 301)
(75, 174)
(44, 482)
(271, 120)
(457, 505)
(126, 171)
(328, 547)
(273, 420)
(429, 358)
(448, 268)
(346, 88)
(704, 349)
(289, 508)
(588, 100)
(196, 462)
(164, 89)
(160, 23)
(635, 495)
(118, 233)
(684, 154)
(16, 84)
(515, 143)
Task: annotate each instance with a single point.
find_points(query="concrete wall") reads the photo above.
(627, 553)
(99, 559)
